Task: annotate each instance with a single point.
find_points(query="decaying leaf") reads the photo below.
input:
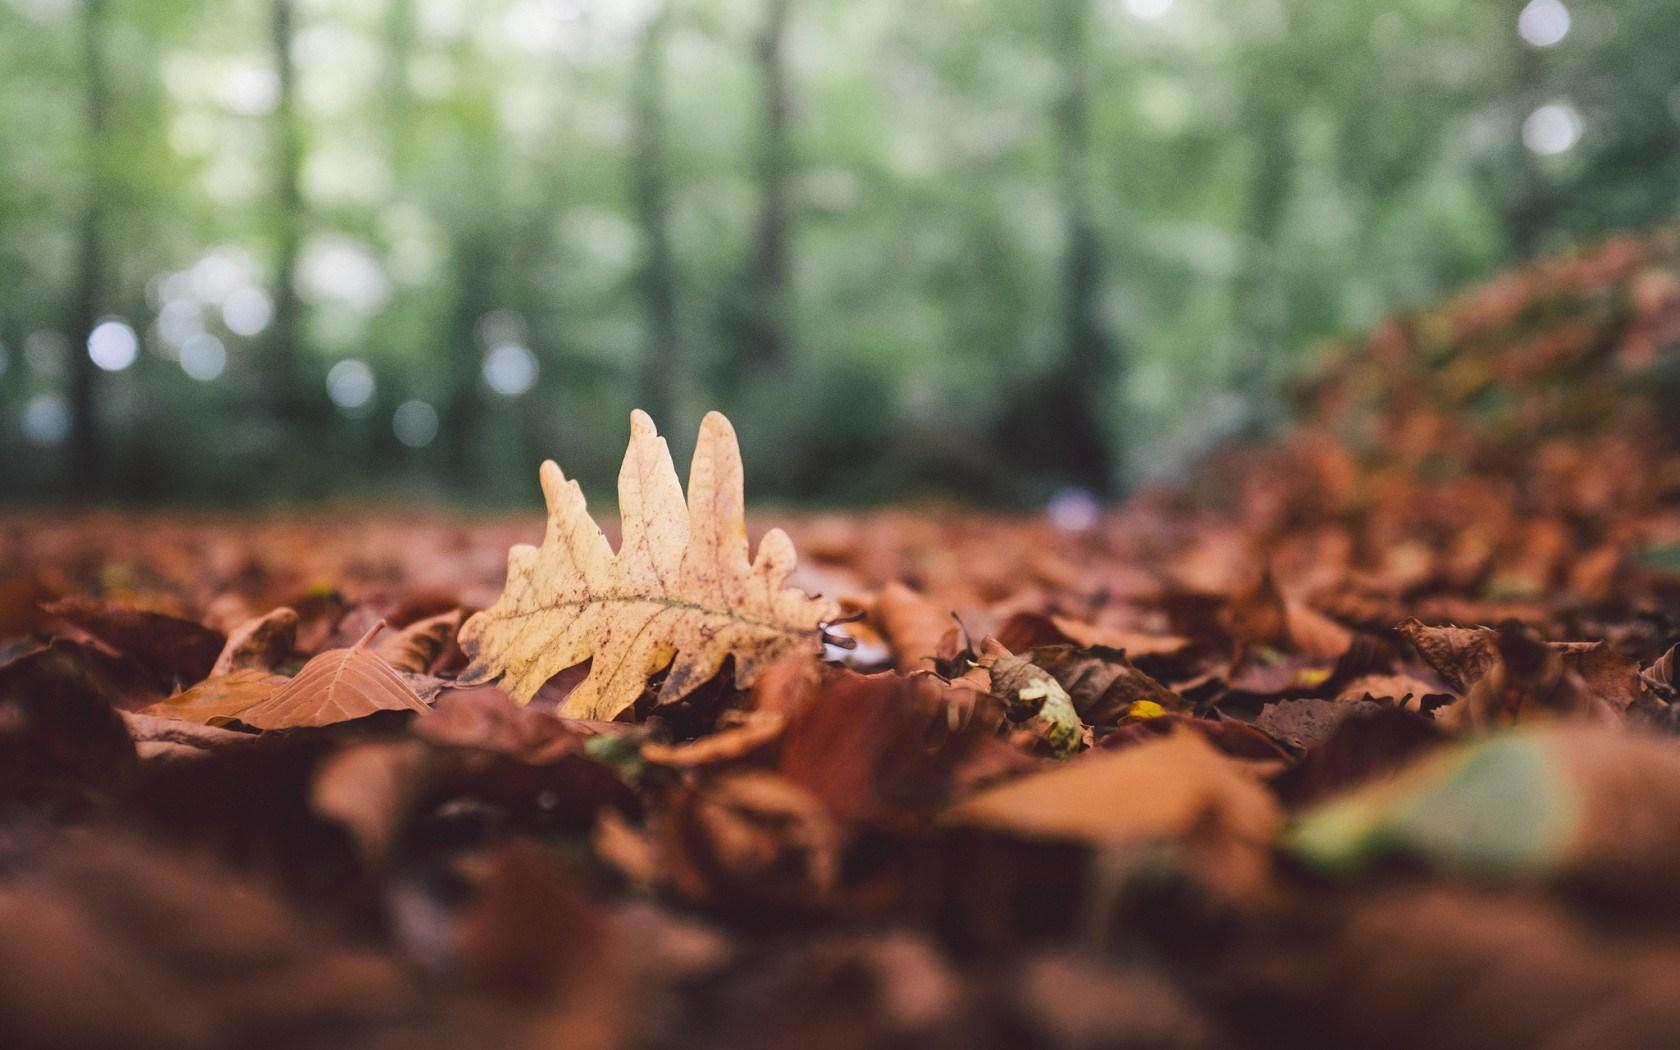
(680, 586)
(1460, 655)
(336, 686)
(1032, 694)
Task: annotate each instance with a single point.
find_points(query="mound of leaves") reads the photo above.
(1364, 738)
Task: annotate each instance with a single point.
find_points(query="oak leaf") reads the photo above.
(680, 588)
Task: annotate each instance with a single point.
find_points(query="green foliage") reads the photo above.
(1256, 177)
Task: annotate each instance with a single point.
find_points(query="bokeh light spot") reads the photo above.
(1543, 23)
(510, 369)
(46, 420)
(350, 384)
(113, 345)
(203, 357)
(415, 423)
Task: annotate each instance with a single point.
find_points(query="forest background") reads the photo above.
(990, 250)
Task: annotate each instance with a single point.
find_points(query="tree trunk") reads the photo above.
(475, 254)
(85, 449)
(658, 277)
(765, 328)
(285, 366)
(1261, 313)
(1084, 380)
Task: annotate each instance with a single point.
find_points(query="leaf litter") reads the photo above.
(1365, 734)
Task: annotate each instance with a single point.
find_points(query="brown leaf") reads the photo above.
(1176, 788)
(61, 743)
(751, 837)
(753, 735)
(487, 718)
(1102, 682)
(259, 644)
(1460, 655)
(680, 586)
(368, 788)
(1528, 678)
(1308, 722)
(220, 698)
(882, 749)
(914, 627)
(1458, 969)
(172, 649)
(336, 686)
(417, 647)
(1025, 631)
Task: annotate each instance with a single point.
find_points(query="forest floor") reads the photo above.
(1365, 736)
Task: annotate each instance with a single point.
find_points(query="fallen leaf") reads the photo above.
(221, 697)
(416, 647)
(680, 586)
(1594, 805)
(1308, 722)
(1175, 788)
(914, 627)
(1460, 655)
(1102, 682)
(754, 734)
(336, 686)
(172, 649)
(261, 644)
(1032, 694)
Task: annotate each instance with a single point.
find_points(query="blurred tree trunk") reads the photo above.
(85, 450)
(1083, 381)
(285, 352)
(475, 252)
(1262, 316)
(764, 333)
(658, 277)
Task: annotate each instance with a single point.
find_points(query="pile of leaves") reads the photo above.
(1364, 736)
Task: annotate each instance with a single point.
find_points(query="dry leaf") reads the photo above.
(261, 644)
(169, 647)
(417, 646)
(914, 626)
(336, 686)
(1176, 788)
(1460, 655)
(221, 697)
(752, 735)
(681, 585)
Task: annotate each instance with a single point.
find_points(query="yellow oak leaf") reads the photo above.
(681, 589)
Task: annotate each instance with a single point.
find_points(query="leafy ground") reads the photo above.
(1361, 736)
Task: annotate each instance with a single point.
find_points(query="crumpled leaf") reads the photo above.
(416, 647)
(1032, 694)
(680, 586)
(336, 686)
(1102, 682)
(261, 643)
(1460, 655)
